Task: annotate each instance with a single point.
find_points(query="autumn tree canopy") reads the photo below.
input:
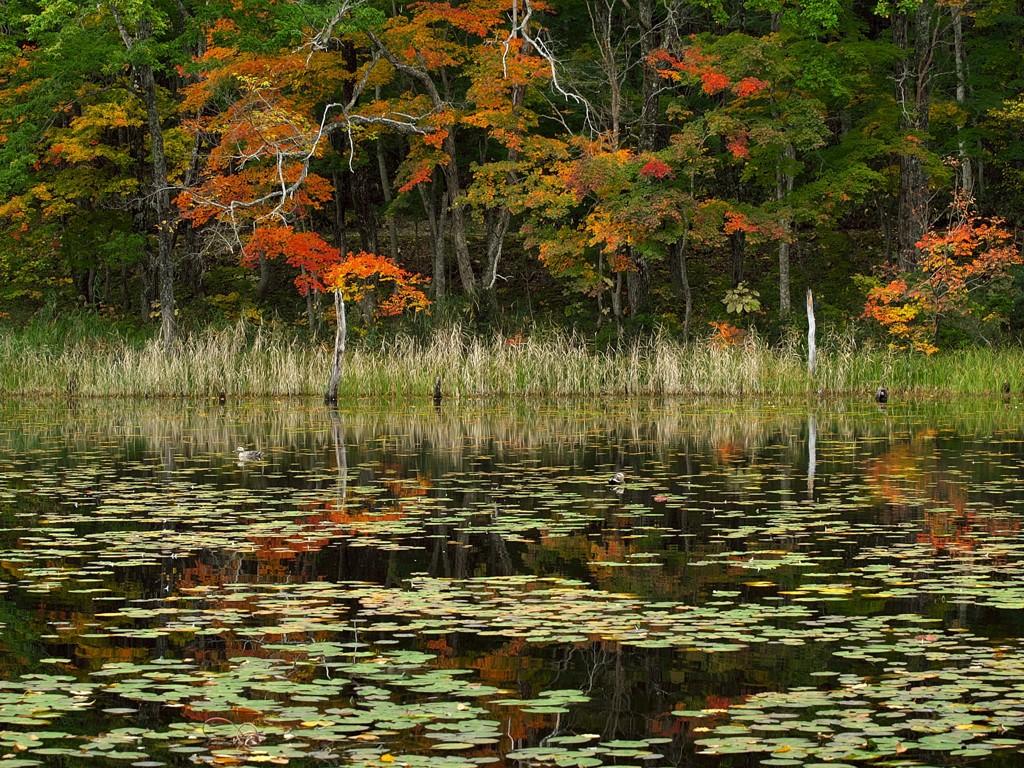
(607, 165)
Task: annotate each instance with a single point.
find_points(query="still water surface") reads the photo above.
(772, 584)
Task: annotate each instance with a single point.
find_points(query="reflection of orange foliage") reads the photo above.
(441, 647)
(907, 478)
(956, 531)
(522, 724)
(203, 574)
(505, 665)
(714, 701)
(948, 530)
(404, 489)
(343, 514)
(106, 654)
(728, 452)
(890, 474)
(668, 725)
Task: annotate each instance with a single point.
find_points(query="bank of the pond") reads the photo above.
(252, 362)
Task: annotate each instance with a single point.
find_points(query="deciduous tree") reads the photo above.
(954, 263)
(357, 276)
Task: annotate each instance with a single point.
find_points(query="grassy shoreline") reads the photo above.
(246, 361)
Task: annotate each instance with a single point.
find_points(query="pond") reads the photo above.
(785, 584)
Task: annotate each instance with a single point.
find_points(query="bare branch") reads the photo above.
(523, 28)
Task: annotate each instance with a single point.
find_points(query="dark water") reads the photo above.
(778, 584)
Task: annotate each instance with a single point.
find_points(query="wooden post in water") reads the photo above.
(437, 392)
(811, 351)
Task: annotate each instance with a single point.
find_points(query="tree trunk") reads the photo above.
(783, 189)
(498, 218)
(385, 185)
(161, 208)
(966, 168)
(652, 80)
(450, 169)
(497, 225)
(738, 241)
(264, 283)
(340, 195)
(913, 98)
(340, 334)
(461, 242)
(437, 217)
(682, 282)
(812, 350)
(161, 197)
(617, 306)
(638, 284)
(603, 26)
(125, 285)
(365, 218)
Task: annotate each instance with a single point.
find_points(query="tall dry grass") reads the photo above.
(250, 361)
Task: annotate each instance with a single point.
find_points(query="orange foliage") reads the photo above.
(750, 86)
(900, 310)
(305, 250)
(738, 222)
(712, 81)
(727, 335)
(953, 262)
(418, 173)
(694, 64)
(737, 146)
(360, 273)
(264, 137)
(620, 262)
(435, 138)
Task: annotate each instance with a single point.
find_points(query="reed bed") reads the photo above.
(250, 361)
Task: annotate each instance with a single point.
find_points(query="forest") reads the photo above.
(607, 167)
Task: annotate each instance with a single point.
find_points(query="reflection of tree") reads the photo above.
(812, 453)
(913, 480)
(564, 430)
(905, 476)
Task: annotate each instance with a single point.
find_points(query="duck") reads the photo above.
(619, 478)
(245, 455)
(882, 395)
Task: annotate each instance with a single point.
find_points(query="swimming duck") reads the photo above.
(244, 455)
(882, 395)
(619, 478)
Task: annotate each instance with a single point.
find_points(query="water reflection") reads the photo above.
(749, 546)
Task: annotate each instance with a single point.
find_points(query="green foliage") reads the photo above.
(755, 124)
(742, 300)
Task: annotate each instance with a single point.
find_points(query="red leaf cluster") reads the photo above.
(656, 169)
(305, 250)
